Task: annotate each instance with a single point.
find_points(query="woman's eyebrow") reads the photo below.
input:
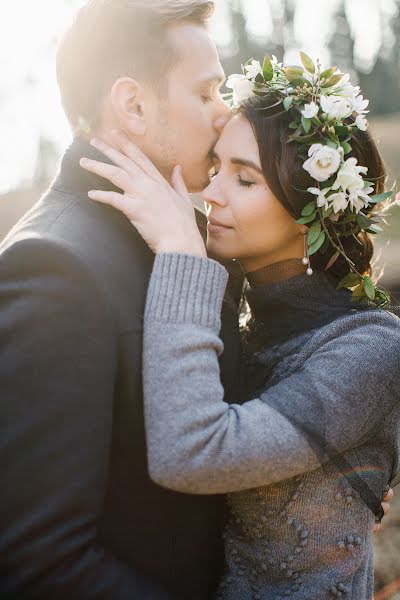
(246, 163)
(239, 161)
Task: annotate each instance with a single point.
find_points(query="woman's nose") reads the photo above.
(212, 194)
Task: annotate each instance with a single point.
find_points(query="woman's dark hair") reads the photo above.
(283, 170)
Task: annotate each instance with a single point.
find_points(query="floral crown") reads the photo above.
(320, 104)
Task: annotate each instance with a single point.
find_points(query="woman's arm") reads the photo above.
(197, 443)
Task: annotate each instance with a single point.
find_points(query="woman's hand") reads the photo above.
(163, 214)
(387, 499)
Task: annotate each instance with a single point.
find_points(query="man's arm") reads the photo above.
(57, 369)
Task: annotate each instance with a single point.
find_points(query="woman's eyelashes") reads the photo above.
(244, 182)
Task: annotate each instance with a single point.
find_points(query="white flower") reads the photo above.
(339, 201)
(310, 110)
(362, 123)
(323, 162)
(358, 105)
(253, 69)
(335, 107)
(241, 86)
(322, 200)
(349, 177)
(359, 199)
(346, 89)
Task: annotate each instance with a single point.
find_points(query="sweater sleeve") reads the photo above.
(198, 443)
(57, 372)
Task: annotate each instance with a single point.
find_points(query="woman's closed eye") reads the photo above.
(244, 182)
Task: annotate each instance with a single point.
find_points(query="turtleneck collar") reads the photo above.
(276, 272)
(298, 304)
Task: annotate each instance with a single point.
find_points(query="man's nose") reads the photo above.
(221, 121)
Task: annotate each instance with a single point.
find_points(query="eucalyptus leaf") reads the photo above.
(306, 124)
(307, 62)
(308, 209)
(331, 144)
(287, 103)
(308, 219)
(369, 287)
(268, 69)
(380, 197)
(346, 147)
(317, 244)
(332, 260)
(349, 281)
(333, 80)
(375, 229)
(313, 233)
(327, 74)
(363, 222)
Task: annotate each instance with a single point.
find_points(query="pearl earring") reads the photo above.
(306, 259)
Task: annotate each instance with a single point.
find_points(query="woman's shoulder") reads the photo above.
(369, 333)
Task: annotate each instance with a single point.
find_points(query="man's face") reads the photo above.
(184, 126)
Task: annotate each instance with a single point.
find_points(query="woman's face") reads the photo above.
(246, 220)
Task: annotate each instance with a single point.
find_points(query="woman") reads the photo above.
(306, 458)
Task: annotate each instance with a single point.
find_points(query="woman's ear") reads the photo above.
(127, 103)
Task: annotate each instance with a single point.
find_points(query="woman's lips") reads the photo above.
(214, 226)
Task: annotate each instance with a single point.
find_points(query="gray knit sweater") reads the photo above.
(298, 525)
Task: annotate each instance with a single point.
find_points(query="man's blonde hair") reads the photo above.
(109, 39)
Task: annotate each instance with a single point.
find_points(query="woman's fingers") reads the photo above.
(130, 149)
(115, 175)
(126, 204)
(388, 497)
(178, 183)
(117, 157)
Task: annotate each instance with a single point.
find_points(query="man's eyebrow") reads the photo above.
(213, 78)
(239, 161)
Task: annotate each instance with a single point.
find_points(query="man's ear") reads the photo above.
(127, 102)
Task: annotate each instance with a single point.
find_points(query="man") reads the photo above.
(79, 516)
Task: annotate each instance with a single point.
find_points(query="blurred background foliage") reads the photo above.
(360, 36)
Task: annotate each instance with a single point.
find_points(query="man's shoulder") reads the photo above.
(95, 234)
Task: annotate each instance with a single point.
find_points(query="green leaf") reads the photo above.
(307, 62)
(332, 260)
(303, 138)
(369, 287)
(293, 72)
(327, 74)
(300, 81)
(346, 147)
(331, 144)
(333, 80)
(326, 212)
(341, 130)
(305, 220)
(317, 244)
(367, 184)
(268, 69)
(349, 281)
(363, 222)
(308, 209)
(374, 229)
(287, 103)
(313, 233)
(306, 124)
(380, 197)
(293, 125)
